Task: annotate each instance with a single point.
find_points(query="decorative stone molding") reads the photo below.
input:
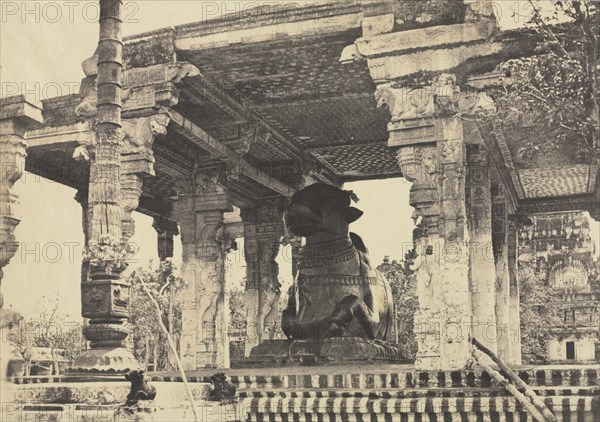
(17, 115)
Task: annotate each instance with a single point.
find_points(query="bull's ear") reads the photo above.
(352, 214)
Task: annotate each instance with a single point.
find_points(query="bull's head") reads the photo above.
(320, 208)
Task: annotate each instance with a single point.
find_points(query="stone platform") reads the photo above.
(53, 399)
(357, 392)
(326, 352)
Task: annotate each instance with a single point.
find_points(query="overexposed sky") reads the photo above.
(42, 45)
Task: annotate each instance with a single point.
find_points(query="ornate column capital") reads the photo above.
(416, 109)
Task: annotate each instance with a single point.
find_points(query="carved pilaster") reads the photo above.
(17, 115)
(263, 229)
(199, 212)
(483, 268)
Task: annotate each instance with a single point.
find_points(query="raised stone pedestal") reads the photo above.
(329, 351)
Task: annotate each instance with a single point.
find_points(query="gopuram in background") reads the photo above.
(560, 247)
(340, 307)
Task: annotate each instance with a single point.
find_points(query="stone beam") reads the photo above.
(56, 136)
(219, 96)
(266, 24)
(586, 202)
(199, 137)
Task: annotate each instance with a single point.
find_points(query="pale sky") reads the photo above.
(42, 45)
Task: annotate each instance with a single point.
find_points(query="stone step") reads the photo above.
(582, 409)
(415, 393)
(574, 376)
(417, 417)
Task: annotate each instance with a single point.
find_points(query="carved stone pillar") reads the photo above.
(82, 198)
(432, 155)
(204, 339)
(483, 270)
(263, 230)
(500, 246)
(165, 230)
(17, 115)
(514, 296)
(441, 238)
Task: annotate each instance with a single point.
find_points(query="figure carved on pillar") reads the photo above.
(419, 166)
(441, 97)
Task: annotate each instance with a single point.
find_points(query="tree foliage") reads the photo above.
(403, 284)
(557, 89)
(47, 331)
(539, 310)
(149, 341)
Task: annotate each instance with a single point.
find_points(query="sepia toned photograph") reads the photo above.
(343, 210)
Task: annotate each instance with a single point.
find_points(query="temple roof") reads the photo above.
(270, 87)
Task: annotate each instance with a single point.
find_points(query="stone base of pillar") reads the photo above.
(104, 362)
(329, 351)
(442, 336)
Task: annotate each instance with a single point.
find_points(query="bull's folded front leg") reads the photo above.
(352, 307)
(295, 329)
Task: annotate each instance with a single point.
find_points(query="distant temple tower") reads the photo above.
(560, 246)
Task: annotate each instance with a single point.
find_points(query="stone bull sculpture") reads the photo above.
(336, 293)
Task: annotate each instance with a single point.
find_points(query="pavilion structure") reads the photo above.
(244, 110)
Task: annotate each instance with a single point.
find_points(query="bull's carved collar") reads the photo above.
(336, 279)
(330, 252)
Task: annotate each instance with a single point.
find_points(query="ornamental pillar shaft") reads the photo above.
(263, 230)
(514, 295)
(437, 170)
(205, 313)
(482, 265)
(501, 258)
(17, 115)
(104, 294)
